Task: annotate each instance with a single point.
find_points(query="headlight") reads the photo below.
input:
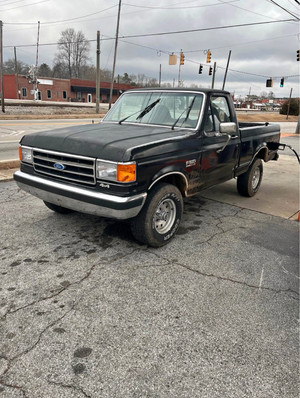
(106, 170)
(118, 172)
(25, 154)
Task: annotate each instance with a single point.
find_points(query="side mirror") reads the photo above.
(227, 128)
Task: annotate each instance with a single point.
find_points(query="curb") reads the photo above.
(9, 164)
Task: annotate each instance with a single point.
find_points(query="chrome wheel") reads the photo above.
(256, 178)
(165, 216)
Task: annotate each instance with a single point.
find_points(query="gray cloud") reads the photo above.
(264, 50)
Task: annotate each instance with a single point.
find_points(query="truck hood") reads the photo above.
(115, 142)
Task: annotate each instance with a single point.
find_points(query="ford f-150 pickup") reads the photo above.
(152, 149)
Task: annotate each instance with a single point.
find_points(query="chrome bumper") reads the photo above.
(81, 199)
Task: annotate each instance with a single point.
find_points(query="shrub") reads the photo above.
(294, 107)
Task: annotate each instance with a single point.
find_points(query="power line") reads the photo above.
(25, 5)
(169, 33)
(290, 1)
(13, 2)
(60, 21)
(179, 8)
(245, 9)
(240, 44)
(207, 29)
(289, 12)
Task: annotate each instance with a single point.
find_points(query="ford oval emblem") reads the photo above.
(59, 166)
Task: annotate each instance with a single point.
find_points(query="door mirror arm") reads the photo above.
(226, 143)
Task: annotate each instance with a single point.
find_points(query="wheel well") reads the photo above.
(174, 179)
(262, 154)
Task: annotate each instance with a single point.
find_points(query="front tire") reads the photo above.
(249, 182)
(160, 217)
(58, 209)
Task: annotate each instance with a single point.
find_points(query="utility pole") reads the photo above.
(1, 67)
(115, 57)
(289, 104)
(35, 81)
(17, 73)
(224, 81)
(249, 97)
(214, 75)
(159, 78)
(98, 72)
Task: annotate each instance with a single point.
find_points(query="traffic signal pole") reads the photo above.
(181, 62)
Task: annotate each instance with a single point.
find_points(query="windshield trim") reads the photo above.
(161, 125)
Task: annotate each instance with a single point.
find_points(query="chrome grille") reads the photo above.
(80, 169)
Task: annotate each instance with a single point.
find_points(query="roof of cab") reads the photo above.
(186, 89)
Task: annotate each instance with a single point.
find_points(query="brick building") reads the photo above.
(53, 89)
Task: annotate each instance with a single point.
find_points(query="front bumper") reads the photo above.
(81, 199)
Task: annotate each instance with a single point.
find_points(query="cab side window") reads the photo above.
(218, 112)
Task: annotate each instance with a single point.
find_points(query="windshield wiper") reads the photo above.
(147, 109)
(188, 109)
(143, 113)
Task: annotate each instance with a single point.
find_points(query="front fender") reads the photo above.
(174, 174)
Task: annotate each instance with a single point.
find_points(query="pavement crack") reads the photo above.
(15, 387)
(221, 278)
(239, 282)
(33, 346)
(70, 386)
(109, 260)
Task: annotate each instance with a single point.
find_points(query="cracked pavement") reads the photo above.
(86, 311)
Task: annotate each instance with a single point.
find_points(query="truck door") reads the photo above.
(217, 165)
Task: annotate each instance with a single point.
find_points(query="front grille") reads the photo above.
(75, 168)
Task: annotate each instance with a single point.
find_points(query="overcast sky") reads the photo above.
(257, 52)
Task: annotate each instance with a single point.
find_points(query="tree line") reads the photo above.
(72, 61)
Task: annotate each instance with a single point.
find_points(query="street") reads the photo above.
(11, 131)
(86, 311)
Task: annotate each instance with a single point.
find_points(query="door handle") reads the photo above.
(234, 136)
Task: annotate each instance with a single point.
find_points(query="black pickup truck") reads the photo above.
(152, 149)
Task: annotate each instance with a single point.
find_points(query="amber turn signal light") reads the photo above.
(126, 172)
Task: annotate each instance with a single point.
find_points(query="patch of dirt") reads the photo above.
(49, 112)
(264, 117)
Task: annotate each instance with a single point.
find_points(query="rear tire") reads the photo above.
(249, 182)
(58, 209)
(160, 217)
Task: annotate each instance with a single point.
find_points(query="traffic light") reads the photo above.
(200, 69)
(210, 70)
(181, 59)
(269, 83)
(208, 57)
(282, 82)
(298, 55)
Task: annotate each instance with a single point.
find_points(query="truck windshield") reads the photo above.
(180, 109)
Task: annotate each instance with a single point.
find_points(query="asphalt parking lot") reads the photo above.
(86, 311)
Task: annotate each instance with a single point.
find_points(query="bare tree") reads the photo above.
(73, 51)
(9, 67)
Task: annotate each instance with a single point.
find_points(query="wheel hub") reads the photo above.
(165, 216)
(255, 179)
